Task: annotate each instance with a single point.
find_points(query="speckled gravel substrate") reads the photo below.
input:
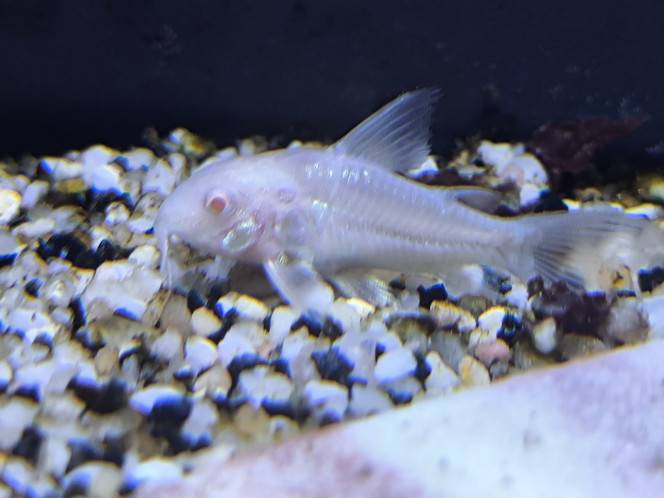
(109, 379)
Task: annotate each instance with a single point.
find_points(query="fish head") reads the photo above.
(221, 209)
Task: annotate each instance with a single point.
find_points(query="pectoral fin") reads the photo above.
(300, 284)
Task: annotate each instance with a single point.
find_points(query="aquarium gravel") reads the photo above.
(109, 379)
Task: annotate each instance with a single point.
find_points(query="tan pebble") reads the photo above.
(252, 422)
(449, 315)
(576, 345)
(473, 373)
(10, 203)
(489, 352)
(105, 359)
(283, 428)
(204, 322)
(214, 381)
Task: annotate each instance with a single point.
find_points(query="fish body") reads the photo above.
(312, 214)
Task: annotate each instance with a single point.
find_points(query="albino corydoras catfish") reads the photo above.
(313, 214)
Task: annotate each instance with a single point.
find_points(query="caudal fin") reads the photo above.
(590, 248)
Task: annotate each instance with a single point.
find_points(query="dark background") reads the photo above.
(73, 73)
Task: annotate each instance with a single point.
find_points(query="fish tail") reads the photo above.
(588, 250)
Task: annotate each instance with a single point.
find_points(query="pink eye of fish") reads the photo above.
(216, 201)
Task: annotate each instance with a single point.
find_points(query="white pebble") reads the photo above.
(327, 396)
(497, 155)
(203, 417)
(24, 480)
(145, 255)
(34, 193)
(200, 352)
(650, 211)
(441, 378)
(394, 365)
(204, 321)
(124, 286)
(281, 321)
(8, 244)
(260, 383)
(545, 336)
(15, 414)
(492, 320)
(524, 168)
(62, 168)
(144, 400)
(517, 297)
(529, 194)
(10, 203)
(233, 344)
(366, 400)
(250, 308)
(24, 319)
(96, 156)
(36, 228)
(104, 178)
(54, 455)
(389, 341)
(99, 479)
(168, 345)
(138, 158)
(157, 469)
(116, 213)
(160, 178)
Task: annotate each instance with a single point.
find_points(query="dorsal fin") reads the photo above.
(397, 135)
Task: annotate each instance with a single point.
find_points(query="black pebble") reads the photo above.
(102, 398)
(99, 201)
(88, 339)
(172, 411)
(649, 280)
(422, 371)
(29, 444)
(580, 313)
(274, 408)
(166, 419)
(332, 365)
(114, 450)
(327, 328)
(216, 292)
(535, 286)
(83, 450)
(227, 321)
(107, 251)
(69, 247)
(510, 329)
(33, 286)
(550, 202)
(79, 314)
(329, 418)
(428, 295)
(194, 300)
(7, 260)
(399, 397)
(28, 392)
(280, 365)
